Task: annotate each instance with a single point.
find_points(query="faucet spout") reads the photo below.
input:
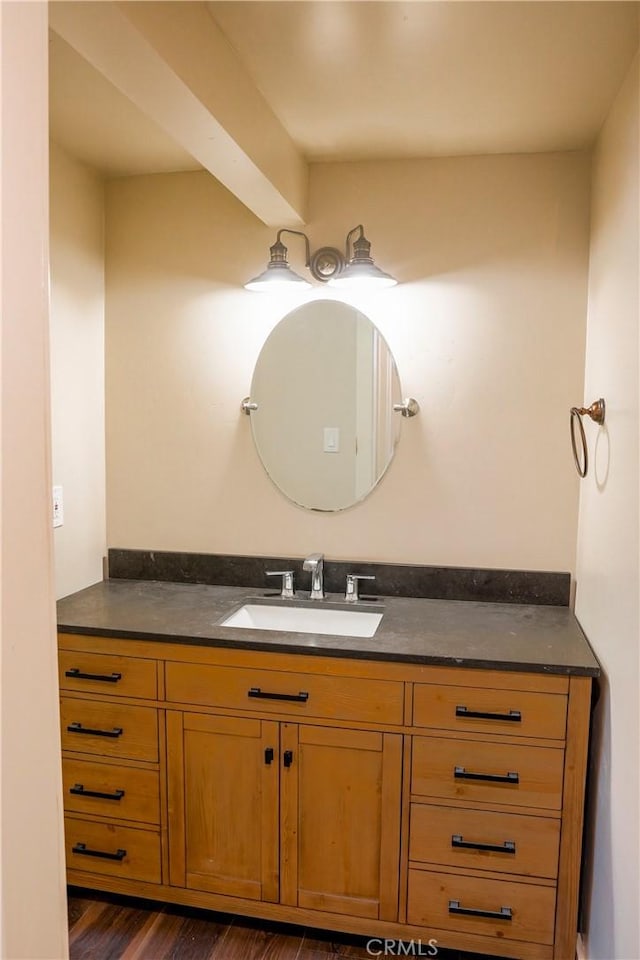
(315, 563)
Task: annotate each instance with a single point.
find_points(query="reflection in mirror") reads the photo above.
(324, 386)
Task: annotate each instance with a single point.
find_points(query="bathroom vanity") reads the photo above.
(423, 783)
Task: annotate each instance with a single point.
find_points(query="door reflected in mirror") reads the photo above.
(324, 386)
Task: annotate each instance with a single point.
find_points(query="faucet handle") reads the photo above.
(286, 591)
(351, 594)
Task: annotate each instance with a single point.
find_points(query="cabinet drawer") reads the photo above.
(128, 793)
(516, 911)
(487, 772)
(272, 691)
(499, 842)
(114, 850)
(109, 729)
(472, 709)
(105, 674)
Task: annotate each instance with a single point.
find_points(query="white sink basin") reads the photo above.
(341, 623)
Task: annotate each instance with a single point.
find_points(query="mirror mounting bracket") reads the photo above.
(247, 405)
(408, 408)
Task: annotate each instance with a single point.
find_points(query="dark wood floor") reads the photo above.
(106, 927)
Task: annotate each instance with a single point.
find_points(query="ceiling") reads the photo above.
(356, 79)
(359, 80)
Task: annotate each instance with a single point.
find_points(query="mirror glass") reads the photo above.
(325, 384)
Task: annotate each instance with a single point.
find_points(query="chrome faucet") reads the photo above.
(315, 563)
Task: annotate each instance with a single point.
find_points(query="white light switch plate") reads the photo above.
(58, 511)
(331, 440)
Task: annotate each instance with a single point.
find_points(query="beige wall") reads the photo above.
(487, 328)
(77, 369)
(608, 567)
(32, 855)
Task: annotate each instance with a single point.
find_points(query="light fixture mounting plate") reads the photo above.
(325, 263)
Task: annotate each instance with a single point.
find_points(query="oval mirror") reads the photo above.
(324, 386)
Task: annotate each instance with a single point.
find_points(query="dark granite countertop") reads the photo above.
(509, 636)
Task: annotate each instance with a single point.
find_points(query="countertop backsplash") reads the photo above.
(391, 579)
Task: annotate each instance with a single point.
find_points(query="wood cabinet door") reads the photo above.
(340, 828)
(223, 804)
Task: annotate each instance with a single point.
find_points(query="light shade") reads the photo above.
(361, 271)
(362, 274)
(277, 276)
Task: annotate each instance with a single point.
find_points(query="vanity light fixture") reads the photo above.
(279, 275)
(327, 265)
(360, 270)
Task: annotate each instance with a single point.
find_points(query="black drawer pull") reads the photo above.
(104, 677)
(104, 854)
(461, 774)
(514, 715)
(78, 790)
(504, 913)
(287, 758)
(259, 694)
(78, 728)
(507, 847)
(268, 755)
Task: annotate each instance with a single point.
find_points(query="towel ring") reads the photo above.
(596, 412)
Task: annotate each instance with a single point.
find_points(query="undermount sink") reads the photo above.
(338, 623)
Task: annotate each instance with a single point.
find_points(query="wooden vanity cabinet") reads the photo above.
(387, 799)
(340, 835)
(111, 766)
(288, 813)
(223, 804)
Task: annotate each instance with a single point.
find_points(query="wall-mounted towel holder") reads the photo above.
(596, 412)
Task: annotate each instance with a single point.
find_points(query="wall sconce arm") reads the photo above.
(279, 245)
